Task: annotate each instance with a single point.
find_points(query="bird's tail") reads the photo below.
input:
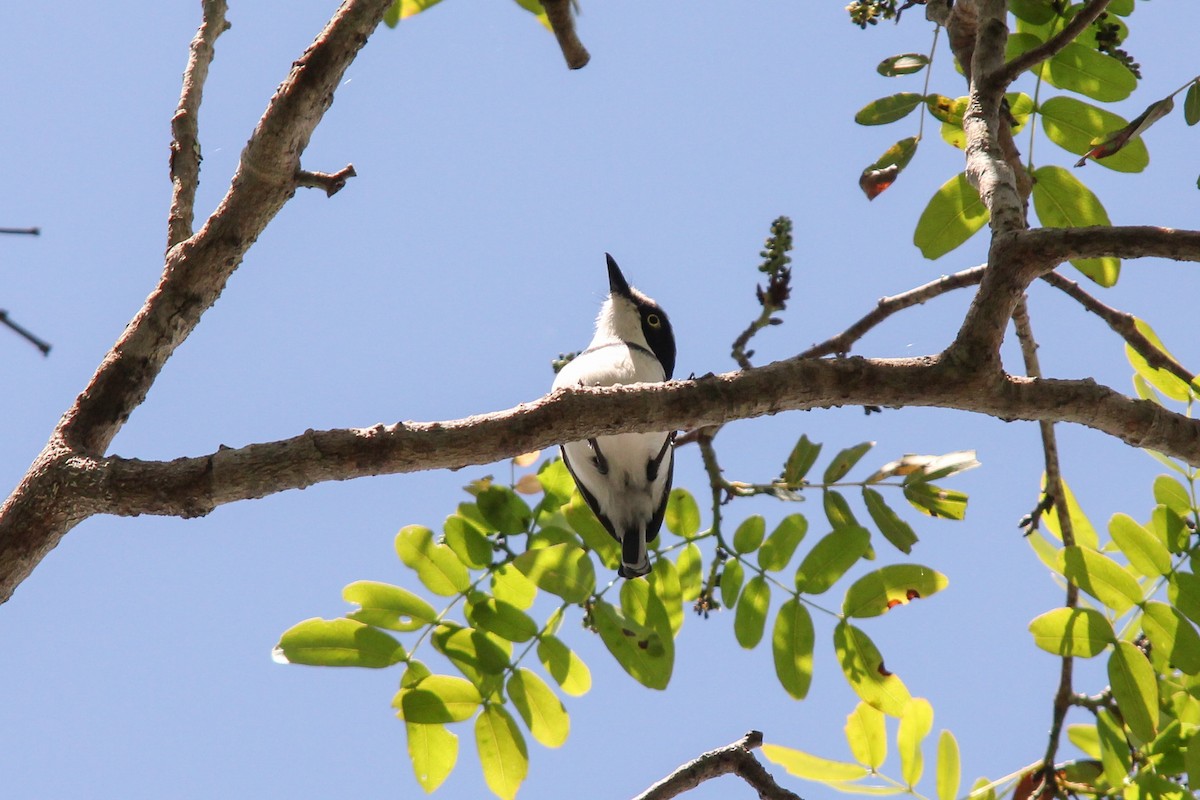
(635, 561)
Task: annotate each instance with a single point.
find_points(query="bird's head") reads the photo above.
(633, 317)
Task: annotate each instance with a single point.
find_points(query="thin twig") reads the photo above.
(842, 342)
(732, 759)
(1123, 324)
(26, 334)
(185, 130)
(558, 12)
(331, 182)
(1065, 696)
(1070, 32)
(25, 231)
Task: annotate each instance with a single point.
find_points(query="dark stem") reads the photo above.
(26, 334)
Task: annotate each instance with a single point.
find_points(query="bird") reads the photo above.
(625, 479)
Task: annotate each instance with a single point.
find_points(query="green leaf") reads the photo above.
(844, 461)
(936, 501)
(864, 670)
(800, 461)
(637, 648)
(1172, 494)
(564, 665)
(1061, 201)
(500, 617)
(690, 566)
(556, 481)
(896, 584)
(1146, 553)
(1075, 126)
(1183, 590)
(1172, 636)
(946, 109)
(509, 585)
(502, 508)
(810, 767)
(867, 736)
(1081, 69)
(1126, 138)
(387, 606)
(1160, 379)
(435, 564)
(468, 543)
(561, 569)
(888, 109)
(1085, 532)
(473, 653)
(1086, 738)
(1114, 748)
(837, 510)
(502, 752)
(1082, 632)
(337, 643)
(792, 647)
(904, 64)
(1135, 689)
(915, 724)
(953, 215)
(1191, 104)
(949, 768)
(894, 529)
(643, 607)
(781, 545)
(1101, 577)
(664, 583)
(541, 709)
(1039, 12)
(751, 615)
(437, 699)
(682, 515)
(1169, 528)
(830, 558)
(433, 751)
(877, 177)
(584, 522)
(731, 582)
(1191, 758)
(749, 535)
(535, 7)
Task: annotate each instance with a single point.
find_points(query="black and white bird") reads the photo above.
(626, 478)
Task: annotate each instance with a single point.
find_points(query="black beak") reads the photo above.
(616, 281)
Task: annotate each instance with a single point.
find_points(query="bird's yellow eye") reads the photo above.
(654, 321)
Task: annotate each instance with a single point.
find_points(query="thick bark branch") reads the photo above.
(732, 759)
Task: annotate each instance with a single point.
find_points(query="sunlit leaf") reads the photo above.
(690, 568)
(436, 565)
(556, 482)
(388, 606)
(504, 510)
(751, 615)
(864, 670)
(502, 751)
(877, 177)
(894, 529)
(904, 64)
(1082, 632)
(564, 665)
(810, 767)
(682, 515)
(953, 215)
(470, 544)
(337, 643)
(949, 767)
(749, 534)
(637, 648)
(402, 9)
(800, 461)
(561, 569)
(1173, 495)
(792, 648)
(482, 659)
(433, 751)
(1115, 757)
(1061, 201)
(830, 558)
(1081, 69)
(1101, 577)
(888, 109)
(916, 722)
(867, 736)
(844, 461)
(509, 585)
(781, 545)
(664, 582)
(500, 617)
(539, 707)
(437, 699)
(732, 574)
(598, 540)
(948, 110)
(1146, 553)
(1135, 689)
(1081, 526)
(1183, 590)
(1172, 636)
(837, 510)
(935, 500)
(1166, 382)
(1038, 12)
(893, 585)
(1075, 126)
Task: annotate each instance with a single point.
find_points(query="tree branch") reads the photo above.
(330, 182)
(558, 12)
(185, 147)
(1054, 45)
(732, 759)
(25, 333)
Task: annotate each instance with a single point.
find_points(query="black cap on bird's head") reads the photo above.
(655, 325)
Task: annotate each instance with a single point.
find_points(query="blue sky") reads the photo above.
(440, 283)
